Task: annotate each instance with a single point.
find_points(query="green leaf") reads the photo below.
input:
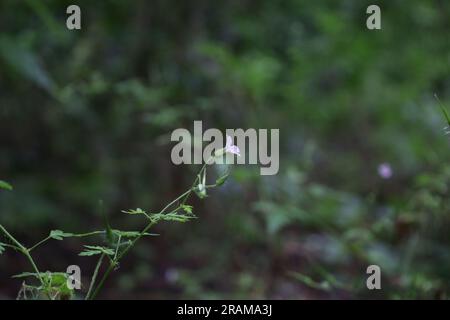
(59, 235)
(95, 250)
(176, 217)
(220, 181)
(108, 229)
(132, 234)
(2, 247)
(444, 111)
(5, 185)
(135, 211)
(55, 285)
(187, 208)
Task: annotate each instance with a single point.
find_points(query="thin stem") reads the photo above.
(35, 268)
(26, 253)
(113, 262)
(87, 234)
(124, 252)
(177, 199)
(39, 243)
(195, 182)
(80, 235)
(10, 237)
(33, 264)
(117, 247)
(94, 276)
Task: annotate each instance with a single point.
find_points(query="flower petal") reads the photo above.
(229, 142)
(234, 150)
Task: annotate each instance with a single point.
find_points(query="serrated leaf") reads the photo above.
(5, 185)
(59, 235)
(95, 250)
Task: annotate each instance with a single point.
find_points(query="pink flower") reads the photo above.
(230, 148)
(385, 170)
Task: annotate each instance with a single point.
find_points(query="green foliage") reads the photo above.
(59, 235)
(54, 286)
(88, 115)
(132, 234)
(187, 208)
(5, 185)
(135, 211)
(95, 250)
(444, 110)
(174, 217)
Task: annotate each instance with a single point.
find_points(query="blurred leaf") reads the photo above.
(41, 9)
(444, 110)
(134, 211)
(5, 185)
(25, 63)
(324, 285)
(276, 217)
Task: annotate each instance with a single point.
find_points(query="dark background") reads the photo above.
(87, 115)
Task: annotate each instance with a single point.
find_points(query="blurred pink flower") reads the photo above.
(385, 170)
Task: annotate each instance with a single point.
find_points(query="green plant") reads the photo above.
(53, 285)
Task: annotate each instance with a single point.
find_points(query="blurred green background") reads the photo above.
(87, 115)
